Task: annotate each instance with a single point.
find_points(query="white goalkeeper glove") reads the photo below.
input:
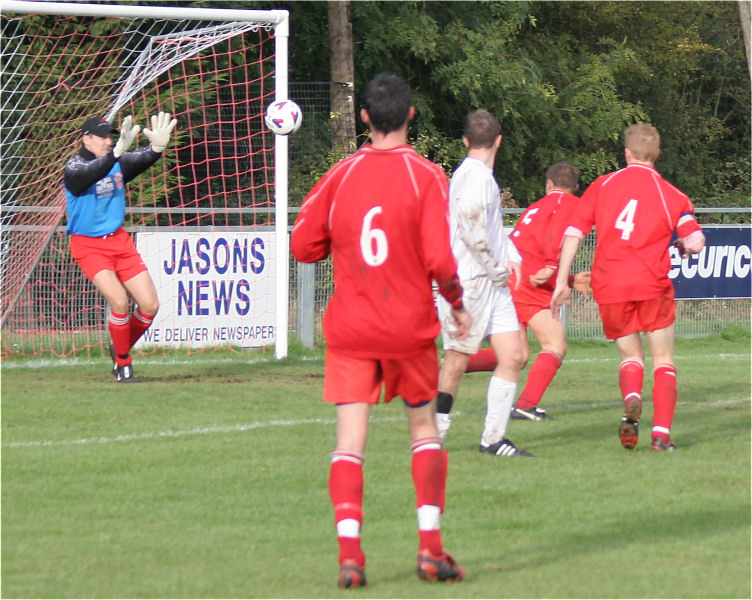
(128, 134)
(161, 128)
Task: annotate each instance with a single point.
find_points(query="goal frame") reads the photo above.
(279, 21)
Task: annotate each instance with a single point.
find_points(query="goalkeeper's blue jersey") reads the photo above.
(100, 210)
(95, 189)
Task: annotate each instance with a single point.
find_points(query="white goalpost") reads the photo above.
(211, 218)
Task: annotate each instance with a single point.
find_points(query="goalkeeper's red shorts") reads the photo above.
(348, 379)
(115, 252)
(624, 318)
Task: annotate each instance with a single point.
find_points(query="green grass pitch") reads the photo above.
(208, 480)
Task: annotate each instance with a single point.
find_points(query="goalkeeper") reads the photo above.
(94, 181)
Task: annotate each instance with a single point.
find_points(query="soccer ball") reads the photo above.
(283, 117)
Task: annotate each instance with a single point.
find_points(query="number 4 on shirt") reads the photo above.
(625, 220)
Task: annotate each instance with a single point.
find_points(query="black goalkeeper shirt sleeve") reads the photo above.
(136, 162)
(84, 170)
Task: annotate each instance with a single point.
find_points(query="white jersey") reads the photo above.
(482, 250)
(479, 243)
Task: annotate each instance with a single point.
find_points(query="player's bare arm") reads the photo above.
(562, 293)
(462, 322)
(516, 268)
(691, 239)
(581, 283)
(542, 276)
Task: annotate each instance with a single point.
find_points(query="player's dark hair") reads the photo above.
(387, 98)
(564, 175)
(481, 128)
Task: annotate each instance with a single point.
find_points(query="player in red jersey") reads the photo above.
(382, 214)
(635, 213)
(537, 236)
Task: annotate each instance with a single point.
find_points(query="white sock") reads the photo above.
(499, 401)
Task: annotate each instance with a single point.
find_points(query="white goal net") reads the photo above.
(210, 218)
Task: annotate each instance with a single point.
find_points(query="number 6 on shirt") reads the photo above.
(373, 243)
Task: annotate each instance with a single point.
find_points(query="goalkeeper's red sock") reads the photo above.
(631, 373)
(120, 333)
(346, 493)
(140, 322)
(429, 471)
(664, 399)
(483, 360)
(541, 373)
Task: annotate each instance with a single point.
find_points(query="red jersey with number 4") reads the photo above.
(539, 233)
(635, 212)
(383, 215)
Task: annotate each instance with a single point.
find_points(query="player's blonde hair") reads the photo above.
(643, 141)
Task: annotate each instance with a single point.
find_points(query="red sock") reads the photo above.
(482, 360)
(429, 470)
(541, 373)
(631, 373)
(120, 332)
(139, 323)
(664, 399)
(346, 493)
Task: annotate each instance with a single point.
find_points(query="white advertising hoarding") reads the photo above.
(215, 288)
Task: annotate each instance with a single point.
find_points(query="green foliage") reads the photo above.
(565, 79)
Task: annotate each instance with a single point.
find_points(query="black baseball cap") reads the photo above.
(97, 126)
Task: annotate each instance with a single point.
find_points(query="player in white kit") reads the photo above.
(485, 256)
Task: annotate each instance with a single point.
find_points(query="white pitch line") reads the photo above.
(239, 428)
(242, 427)
(76, 362)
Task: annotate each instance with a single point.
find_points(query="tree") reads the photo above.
(343, 77)
(565, 79)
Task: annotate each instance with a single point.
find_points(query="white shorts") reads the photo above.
(491, 308)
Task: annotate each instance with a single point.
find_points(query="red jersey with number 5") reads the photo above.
(539, 232)
(383, 216)
(635, 212)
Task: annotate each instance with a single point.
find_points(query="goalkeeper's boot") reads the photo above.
(504, 447)
(114, 362)
(534, 413)
(125, 374)
(438, 568)
(351, 574)
(661, 445)
(628, 429)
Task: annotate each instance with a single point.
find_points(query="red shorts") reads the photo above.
(115, 252)
(624, 318)
(348, 379)
(529, 300)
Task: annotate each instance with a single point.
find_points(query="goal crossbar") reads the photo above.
(173, 13)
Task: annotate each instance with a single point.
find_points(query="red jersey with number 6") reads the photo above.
(635, 212)
(383, 215)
